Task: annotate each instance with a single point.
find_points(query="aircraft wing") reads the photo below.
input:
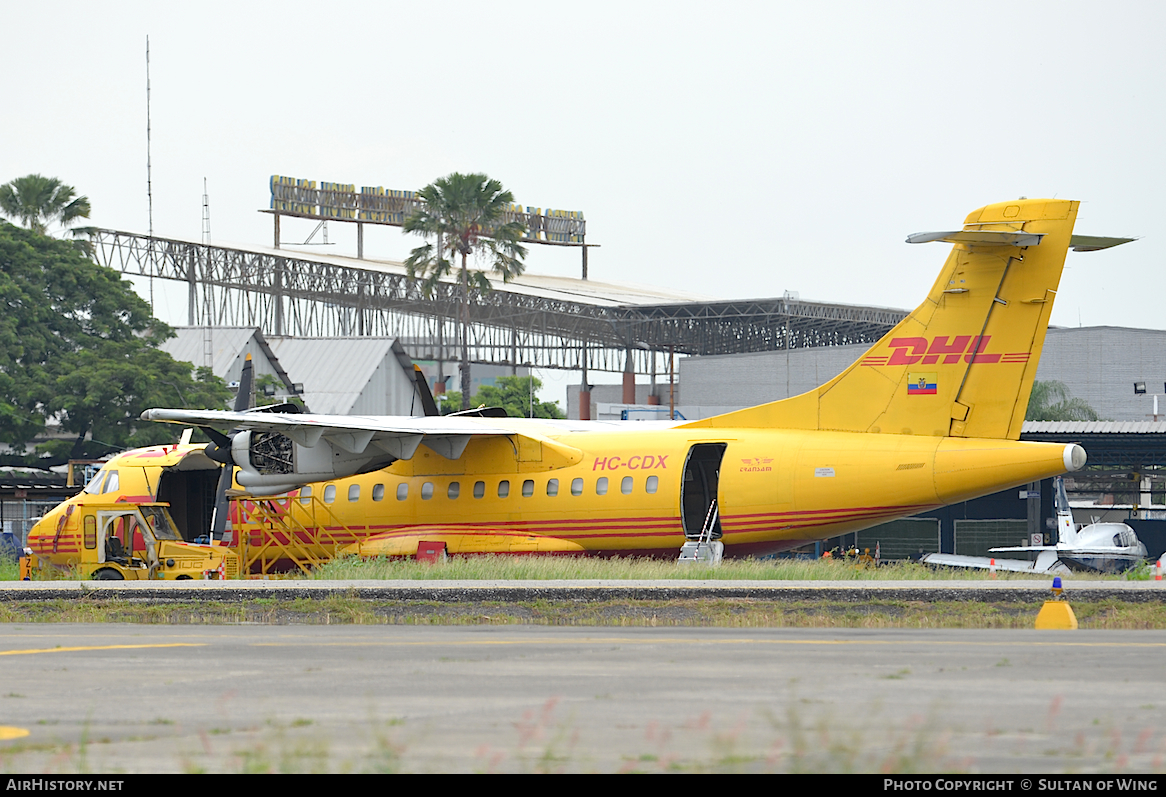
(305, 427)
(1042, 565)
(277, 451)
(979, 562)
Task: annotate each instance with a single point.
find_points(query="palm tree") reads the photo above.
(36, 201)
(1052, 401)
(465, 213)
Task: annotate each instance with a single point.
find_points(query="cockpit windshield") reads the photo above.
(160, 523)
(94, 485)
(104, 481)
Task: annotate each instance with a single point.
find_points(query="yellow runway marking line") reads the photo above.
(101, 647)
(8, 732)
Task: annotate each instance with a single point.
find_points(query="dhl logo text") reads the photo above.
(945, 349)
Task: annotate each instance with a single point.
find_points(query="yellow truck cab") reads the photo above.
(107, 540)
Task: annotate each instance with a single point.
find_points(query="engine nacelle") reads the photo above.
(271, 463)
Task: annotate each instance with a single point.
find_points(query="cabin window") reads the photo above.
(90, 531)
(528, 488)
(503, 488)
(354, 492)
(402, 491)
(553, 487)
(479, 489)
(625, 485)
(110, 483)
(306, 494)
(454, 489)
(601, 485)
(576, 487)
(378, 492)
(652, 484)
(329, 493)
(426, 491)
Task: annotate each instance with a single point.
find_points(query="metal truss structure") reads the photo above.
(290, 294)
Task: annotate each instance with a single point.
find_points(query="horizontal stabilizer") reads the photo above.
(1078, 243)
(978, 237)
(1092, 243)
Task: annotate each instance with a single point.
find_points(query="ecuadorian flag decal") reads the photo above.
(922, 384)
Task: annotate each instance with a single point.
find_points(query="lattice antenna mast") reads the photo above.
(149, 172)
(206, 215)
(208, 347)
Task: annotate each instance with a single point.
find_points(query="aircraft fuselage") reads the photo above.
(639, 491)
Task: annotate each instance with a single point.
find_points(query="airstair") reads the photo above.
(276, 534)
(704, 549)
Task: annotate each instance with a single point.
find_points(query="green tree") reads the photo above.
(464, 212)
(449, 402)
(37, 201)
(518, 395)
(1052, 401)
(78, 346)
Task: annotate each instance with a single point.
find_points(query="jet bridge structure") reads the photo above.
(536, 321)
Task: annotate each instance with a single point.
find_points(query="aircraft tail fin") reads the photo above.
(962, 364)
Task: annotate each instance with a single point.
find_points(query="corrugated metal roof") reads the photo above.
(1094, 427)
(226, 344)
(334, 371)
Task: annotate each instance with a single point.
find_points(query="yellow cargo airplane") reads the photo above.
(930, 416)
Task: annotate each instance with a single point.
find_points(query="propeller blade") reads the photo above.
(220, 450)
(427, 402)
(220, 439)
(244, 398)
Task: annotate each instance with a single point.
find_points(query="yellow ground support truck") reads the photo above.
(117, 541)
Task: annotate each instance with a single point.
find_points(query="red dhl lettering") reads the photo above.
(951, 351)
(637, 462)
(942, 348)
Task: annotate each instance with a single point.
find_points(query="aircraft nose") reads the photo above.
(1075, 457)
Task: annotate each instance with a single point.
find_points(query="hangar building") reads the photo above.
(1098, 364)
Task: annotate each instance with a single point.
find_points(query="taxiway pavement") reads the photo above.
(141, 698)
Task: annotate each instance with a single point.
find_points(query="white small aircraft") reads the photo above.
(1099, 547)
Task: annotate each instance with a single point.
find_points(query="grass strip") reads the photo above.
(495, 567)
(714, 613)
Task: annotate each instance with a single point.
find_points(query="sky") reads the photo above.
(741, 151)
